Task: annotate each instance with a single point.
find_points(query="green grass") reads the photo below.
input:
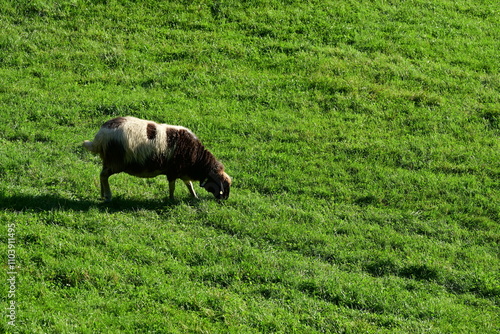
(362, 138)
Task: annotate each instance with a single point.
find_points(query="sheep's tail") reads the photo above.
(90, 146)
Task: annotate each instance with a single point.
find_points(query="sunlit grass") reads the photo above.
(362, 139)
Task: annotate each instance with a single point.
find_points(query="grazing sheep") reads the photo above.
(147, 149)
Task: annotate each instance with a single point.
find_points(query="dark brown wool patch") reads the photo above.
(189, 157)
(171, 137)
(114, 123)
(151, 131)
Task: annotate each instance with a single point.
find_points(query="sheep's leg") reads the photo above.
(171, 188)
(105, 190)
(189, 185)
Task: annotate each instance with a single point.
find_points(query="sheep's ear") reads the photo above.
(214, 176)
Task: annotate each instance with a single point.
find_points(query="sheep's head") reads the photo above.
(218, 184)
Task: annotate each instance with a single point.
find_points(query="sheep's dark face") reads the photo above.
(218, 185)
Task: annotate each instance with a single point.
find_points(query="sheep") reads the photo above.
(147, 149)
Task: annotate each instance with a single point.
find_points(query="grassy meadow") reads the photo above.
(362, 138)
